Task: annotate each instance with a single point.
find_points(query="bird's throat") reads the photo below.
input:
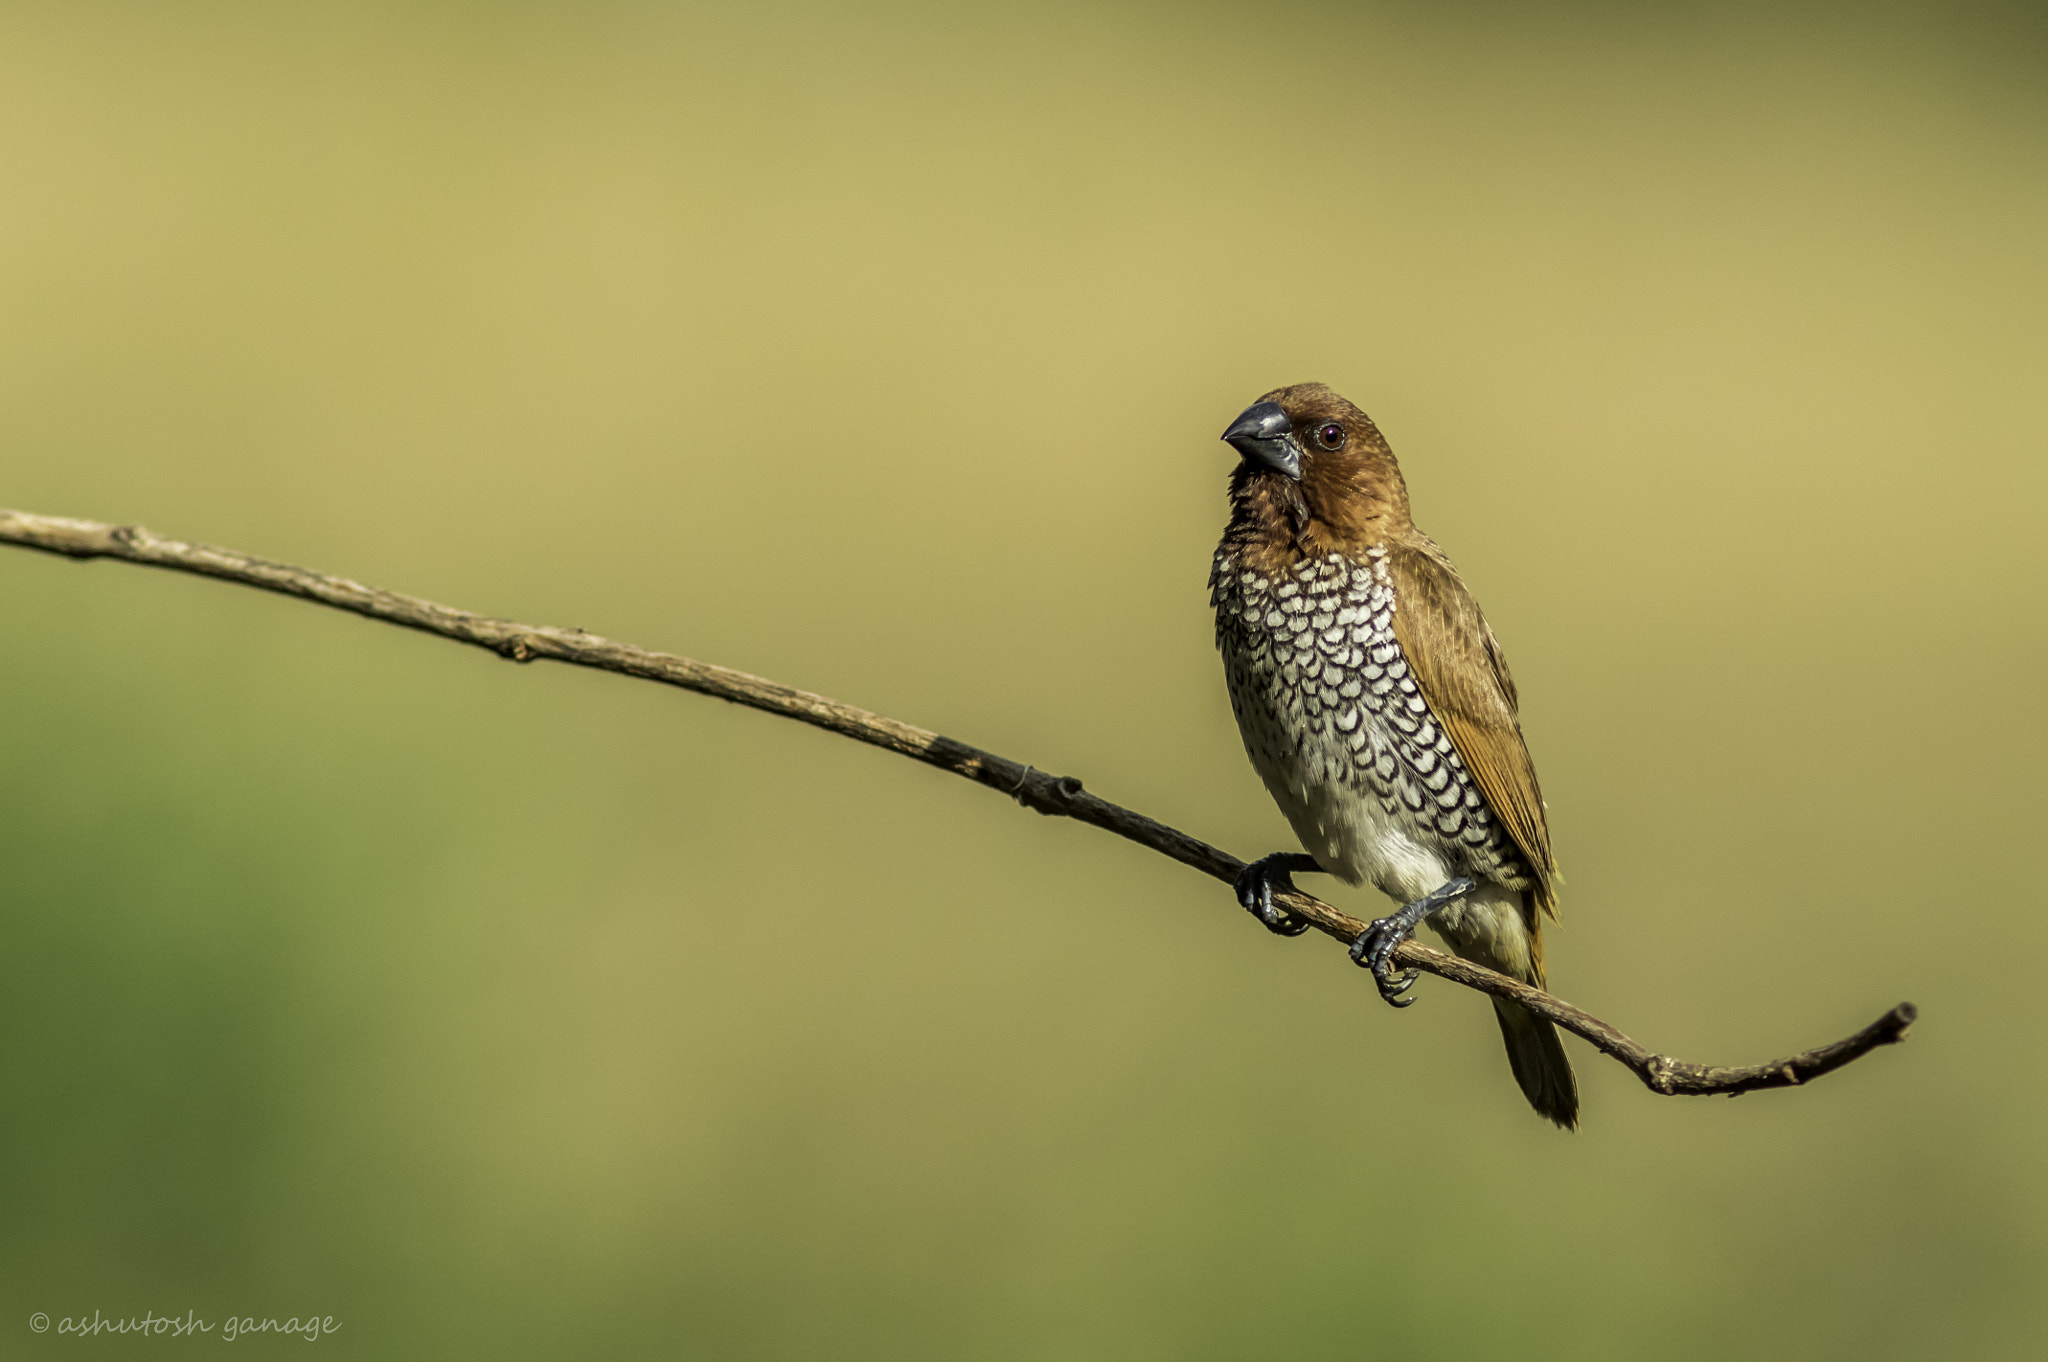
(1272, 526)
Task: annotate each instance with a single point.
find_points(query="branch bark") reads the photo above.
(1060, 796)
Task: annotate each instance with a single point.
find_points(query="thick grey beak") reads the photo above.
(1264, 435)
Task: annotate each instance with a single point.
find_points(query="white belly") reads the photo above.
(1352, 835)
(1350, 831)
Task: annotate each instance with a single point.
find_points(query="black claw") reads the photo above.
(1255, 884)
(1374, 949)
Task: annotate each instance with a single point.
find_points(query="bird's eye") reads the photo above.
(1330, 436)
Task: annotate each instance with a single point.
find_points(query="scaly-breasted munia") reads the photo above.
(1377, 707)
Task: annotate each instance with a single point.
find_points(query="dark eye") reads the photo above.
(1330, 436)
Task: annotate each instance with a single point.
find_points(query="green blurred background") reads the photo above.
(522, 1012)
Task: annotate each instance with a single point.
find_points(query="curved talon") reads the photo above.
(1374, 950)
(1254, 887)
(1376, 945)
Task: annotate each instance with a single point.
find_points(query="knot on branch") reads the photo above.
(82, 547)
(1042, 792)
(1660, 1072)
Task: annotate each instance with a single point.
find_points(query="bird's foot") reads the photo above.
(1255, 885)
(1374, 949)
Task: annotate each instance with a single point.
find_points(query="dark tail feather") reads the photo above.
(1537, 1057)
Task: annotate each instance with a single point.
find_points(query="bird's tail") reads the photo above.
(1537, 1057)
(1503, 931)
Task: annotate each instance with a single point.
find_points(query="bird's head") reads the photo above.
(1316, 468)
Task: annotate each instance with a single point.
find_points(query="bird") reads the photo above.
(1376, 705)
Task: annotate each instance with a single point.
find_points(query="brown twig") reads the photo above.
(1035, 789)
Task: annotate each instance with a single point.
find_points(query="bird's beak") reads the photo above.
(1265, 435)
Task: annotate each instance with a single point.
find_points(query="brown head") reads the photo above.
(1317, 477)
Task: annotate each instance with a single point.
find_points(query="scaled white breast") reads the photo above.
(1338, 729)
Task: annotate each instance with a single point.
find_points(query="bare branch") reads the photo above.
(1061, 796)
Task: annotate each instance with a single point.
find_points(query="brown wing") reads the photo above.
(1463, 676)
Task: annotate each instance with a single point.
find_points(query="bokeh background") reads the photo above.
(519, 1012)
